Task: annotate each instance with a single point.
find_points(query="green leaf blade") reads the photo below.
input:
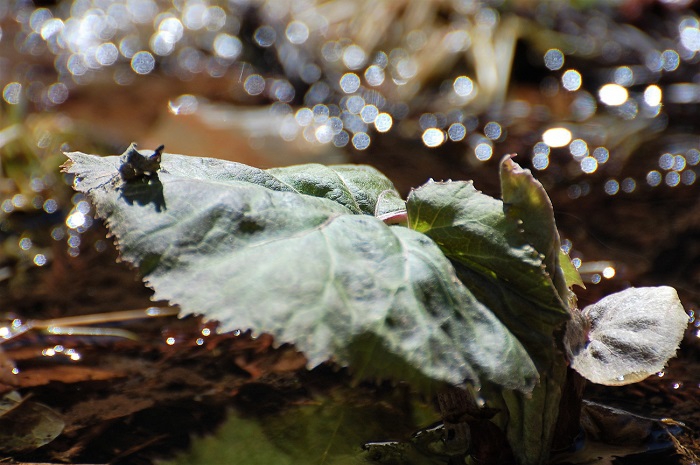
(252, 254)
(357, 187)
(472, 229)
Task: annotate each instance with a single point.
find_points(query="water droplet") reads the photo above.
(427, 120)
(578, 148)
(341, 139)
(12, 92)
(571, 80)
(162, 43)
(493, 130)
(57, 93)
(170, 341)
(406, 69)
(690, 38)
(143, 62)
(324, 134)
(173, 26)
(361, 140)
(25, 243)
(554, 59)
(336, 124)
(654, 178)
(107, 54)
(611, 187)
(50, 206)
(483, 151)
(369, 113)
(304, 116)
(297, 32)
(75, 220)
(374, 75)
(608, 272)
(679, 163)
(321, 113)
(332, 51)
(673, 178)
(183, 105)
(254, 84)
(670, 60)
(628, 185)
(433, 137)
(624, 76)
(589, 165)
(601, 154)
(456, 132)
(463, 86)
(688, 177)
(355, 104)
(556, 137)
(227, 46)
(540, 161)
(350, 82)
(383, 122)
(613, 94)
(354, 56)
(265, 36)
(666, 161)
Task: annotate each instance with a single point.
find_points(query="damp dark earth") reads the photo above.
(168, 309)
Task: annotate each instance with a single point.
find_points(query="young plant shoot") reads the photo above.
(449, 288)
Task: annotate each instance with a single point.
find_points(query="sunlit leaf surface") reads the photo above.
(245, 247)
(633, 334)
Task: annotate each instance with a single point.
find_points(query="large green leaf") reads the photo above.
(234, 244)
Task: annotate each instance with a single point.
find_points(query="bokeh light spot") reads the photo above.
(143, 62)
(254, 84)
(613, 94)
(350, 82)
(571, 80)
(554, 59)
(433, 137)
(556, 137)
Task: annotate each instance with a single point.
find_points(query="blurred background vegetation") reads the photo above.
(599, 98)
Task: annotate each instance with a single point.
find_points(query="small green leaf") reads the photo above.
(234, 244)
(633, 334)
(571, 274)
(526, 201)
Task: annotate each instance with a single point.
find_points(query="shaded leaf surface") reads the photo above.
(526, 201)
(328, 430)
(492, 259)
(633, 334)
(240, 246)
(26, 425)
